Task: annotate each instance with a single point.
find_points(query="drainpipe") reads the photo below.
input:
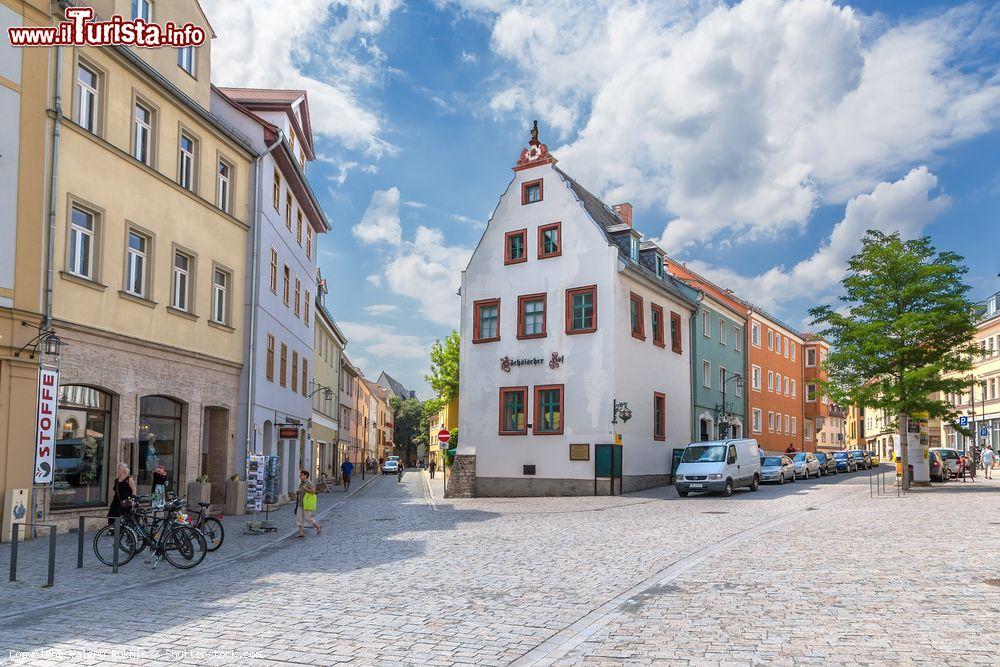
(256, 231)
(53, 181)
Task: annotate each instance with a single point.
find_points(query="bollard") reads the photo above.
(118, 533)
(52, 557)
(79, 544)
(15, 530)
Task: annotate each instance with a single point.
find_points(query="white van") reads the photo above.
(719, 466)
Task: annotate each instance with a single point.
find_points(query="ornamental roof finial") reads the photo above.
(534, 134)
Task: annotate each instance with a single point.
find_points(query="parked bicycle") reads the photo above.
(168, 536)
(209, 526)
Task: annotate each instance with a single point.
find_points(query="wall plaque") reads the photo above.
(579, 452)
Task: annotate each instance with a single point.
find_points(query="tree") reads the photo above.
(408, 429)
(904, 324)
(444, 367)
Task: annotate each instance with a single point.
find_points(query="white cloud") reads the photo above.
(906, 206)
(381, 219)
(739, 120)
(384, 341)
(472, 222)
(380, 309)
(469, 57)
(374, 279)
(414, 204)
(269, 44)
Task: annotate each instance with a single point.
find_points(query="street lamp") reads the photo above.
(327, 391)
(721, 409)
(46, 341)
(620, 410)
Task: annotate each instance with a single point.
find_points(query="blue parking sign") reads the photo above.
(984, 431)
(963, 421)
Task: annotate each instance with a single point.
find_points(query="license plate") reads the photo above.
(696, 486)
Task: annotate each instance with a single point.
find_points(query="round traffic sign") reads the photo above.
(444, 435)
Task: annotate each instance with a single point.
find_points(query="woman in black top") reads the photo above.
(124, 489)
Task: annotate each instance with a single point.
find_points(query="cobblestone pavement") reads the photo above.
(812, 572)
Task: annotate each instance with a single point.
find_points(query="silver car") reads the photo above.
(806, 465)
(951, 458)
(777, 469)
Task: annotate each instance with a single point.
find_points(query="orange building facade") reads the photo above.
(776, 387)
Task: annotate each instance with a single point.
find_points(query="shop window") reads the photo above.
(548, 410)
(550, 240)
(581, 310)
(486, 321)
(513, 410)
(159, 440)
(531, 316)
(83, 432)
(515, 247)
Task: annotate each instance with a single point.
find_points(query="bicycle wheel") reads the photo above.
(184, 547)
(213, 531)
(104, 546)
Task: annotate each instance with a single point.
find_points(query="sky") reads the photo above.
(757, 140)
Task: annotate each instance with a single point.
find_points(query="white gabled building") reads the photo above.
(564, 312)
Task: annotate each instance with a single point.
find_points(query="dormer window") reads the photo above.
(633, 250)
(531, 192)
(659, 266)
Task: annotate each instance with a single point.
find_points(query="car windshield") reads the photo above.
(801, 456)
(821, 457)
(772, 461)
(704, 454)
(858, 455)
(840, 455)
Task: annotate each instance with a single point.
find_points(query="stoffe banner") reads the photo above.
(48, 396)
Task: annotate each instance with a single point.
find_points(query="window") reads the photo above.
(142, 133)
(288, 210)
(295, 371)
(186, 163)
(731, 457)
(794, 426)
(777, 382)
(305, 309)
(181, 292)
(757, 419)
(807, 429)
(658, 263)
(755, 334)
(738, 385)
(755, 377)
(723, 330)
(223, 186)
(185, 59)
(136, 263)
(792, 345)
(531, 192)
(770, 380)
(676, 344)
(770, 422)
(309, 242)
(706, 374)
(286, 284)
(723, 378)
(659, 416)
(269, 365)
(810, 356)
(706, 327)
(550, 240)
(276, 191)
(788, 428)
(787, 386)
(636, 316)
(298, 293)
(220, 297)
(548, 410)
(784, 342)
(81, 243)
(531, 316)
(737, 338)
(298, 227)
(273, 281)
(633, 248)
(656, 320)
(142, 9)
(513, 415)
(305, 376)
(486, 321)
(87, 97)
(793, 388)
(810, 392)
(514, 247)
(770, 340)
(581, 310)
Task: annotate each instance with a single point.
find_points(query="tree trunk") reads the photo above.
(904, 453)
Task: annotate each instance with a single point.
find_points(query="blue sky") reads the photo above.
(757, 140)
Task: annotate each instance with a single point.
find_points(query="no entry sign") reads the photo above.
(444, 435)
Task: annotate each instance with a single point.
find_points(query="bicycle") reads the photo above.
(180, 544)
(210, 527)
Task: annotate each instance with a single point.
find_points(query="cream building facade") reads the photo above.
(326, 421)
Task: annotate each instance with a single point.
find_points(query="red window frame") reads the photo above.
(676, 344)
(521, 300)
(524, 402)
(569, 309)
(658, 325)
(660, 425)
(476, 333)
(523, 233)
(524, 191)
(538, 409)
(640, 320)
(541, 238)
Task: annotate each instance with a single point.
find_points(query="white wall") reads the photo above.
(10, 132)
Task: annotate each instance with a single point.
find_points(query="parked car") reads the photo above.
(845, 462)
(940, 472)
(806, 465)
(952, 459)
(390, 467)
(827, 464)
(777, 469)
(861, 458)
(875, 458)
(718, 465)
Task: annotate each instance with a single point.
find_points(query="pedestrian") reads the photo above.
(305, 504)
(968, 468)
(158, 487)
(433, 467)
(790, 449)
(124, 491)
(346, 468)
(988, 459)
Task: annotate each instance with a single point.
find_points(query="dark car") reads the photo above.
(861, 458)
(827, 464)
(845, 462)
(940, 472)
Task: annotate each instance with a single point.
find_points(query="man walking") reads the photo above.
(433, 466)
(346, 469)
(988, 458)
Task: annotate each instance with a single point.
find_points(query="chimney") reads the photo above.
(624, 211)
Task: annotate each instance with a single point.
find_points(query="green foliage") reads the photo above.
(408, 431)
(905, 322)
(444, 367)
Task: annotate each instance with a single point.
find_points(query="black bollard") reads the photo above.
(15, 530)
(79, 543)
(52, 557)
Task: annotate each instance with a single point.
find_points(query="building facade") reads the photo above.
(350, 446)
(855, 427)
(281, 287)
(327, 355)
(824, 422)
(719, 341)
(775, 401)
(445, 418)
(564, 316)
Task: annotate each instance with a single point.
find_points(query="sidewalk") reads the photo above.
(96, 579)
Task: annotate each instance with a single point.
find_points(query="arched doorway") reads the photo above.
(160, 441)
(81, 459)
(704, 428)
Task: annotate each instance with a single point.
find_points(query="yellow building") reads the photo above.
(151, 232)
(24, 77)
(446, 418)
(326, 421)
(856, 428)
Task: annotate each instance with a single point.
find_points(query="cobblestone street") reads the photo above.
(812, 572)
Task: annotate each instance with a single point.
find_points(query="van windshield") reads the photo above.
(704, 454)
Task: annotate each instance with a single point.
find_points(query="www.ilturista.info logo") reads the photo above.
(79, 29)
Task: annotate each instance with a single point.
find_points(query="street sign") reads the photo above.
(963, 421)
(444, 435)
(984, 431)
(288, 432)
